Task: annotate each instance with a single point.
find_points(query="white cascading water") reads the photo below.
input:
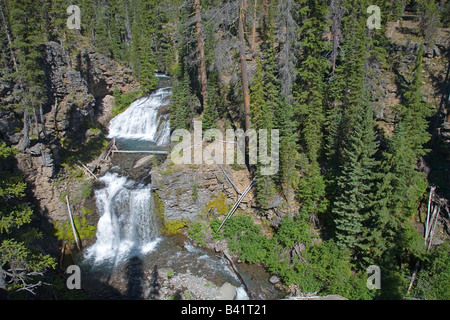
(142, 120)
(126, 224)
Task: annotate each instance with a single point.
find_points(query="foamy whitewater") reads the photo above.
(142, 120)
(126, 225)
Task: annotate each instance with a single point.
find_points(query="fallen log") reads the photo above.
(74, 230)
(89, 171)
(234, 269)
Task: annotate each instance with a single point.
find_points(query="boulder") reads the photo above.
(226, 292)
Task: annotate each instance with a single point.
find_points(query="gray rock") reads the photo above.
(275, 202)
(227, 292)
(35, 150)
(436, 51)
(274, 279)
(143, 161)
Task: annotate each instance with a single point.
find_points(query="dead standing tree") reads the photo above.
(228, 23)
(243, 63)
(337, 12)
(201, 51)
(287, 38)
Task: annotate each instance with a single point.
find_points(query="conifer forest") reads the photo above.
(337, 187)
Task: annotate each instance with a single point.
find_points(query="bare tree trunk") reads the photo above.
(5, 26)
(252, 49)
(25, 142)
(41, 114)
(243, 63)
(201, 51)
(337, 13)
(36, 124)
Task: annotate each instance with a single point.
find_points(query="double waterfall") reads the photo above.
(128, 242)
(127, 225)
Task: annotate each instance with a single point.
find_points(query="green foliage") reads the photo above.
(172, 227)
(433, 281)
(195, 192)
(123, 100)
(330, 270)
(245, 238)
(402, 184)
(292, 231)
(311, 190)
(63, 230)
(312, 72)
(180, 102)
(197, 232)
(214, 225)
(218, 203)
(416, 110)
(445, 16)
(356, 183)
(398, 7)
(17, 253)
(429, 20)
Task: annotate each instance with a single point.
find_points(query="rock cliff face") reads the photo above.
(83, 92)
(188, 191)
(78, 96)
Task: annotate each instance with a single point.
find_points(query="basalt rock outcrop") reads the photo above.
(78, 96)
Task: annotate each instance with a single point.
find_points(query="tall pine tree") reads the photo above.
(356, 184)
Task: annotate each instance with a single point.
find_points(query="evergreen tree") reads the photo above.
(288, 176)
(210, 115)
(429, 20)
(416, 111)
(400, 188)
(21, 264)
(312, 71)
(29, 76)
(398, 7)
(356, 184)
(180, 111)
(262, 118)
(261, 113)
(143, 56)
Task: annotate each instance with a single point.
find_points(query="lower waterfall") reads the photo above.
(126, 225)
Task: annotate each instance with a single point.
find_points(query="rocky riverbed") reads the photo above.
(177, 270)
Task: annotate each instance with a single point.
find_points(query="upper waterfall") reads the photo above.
(144, 119)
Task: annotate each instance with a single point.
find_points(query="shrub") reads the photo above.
(63, 230)
(123, 100)
(196, 232)
(245, 237)
(172, 227)
(218, 203)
